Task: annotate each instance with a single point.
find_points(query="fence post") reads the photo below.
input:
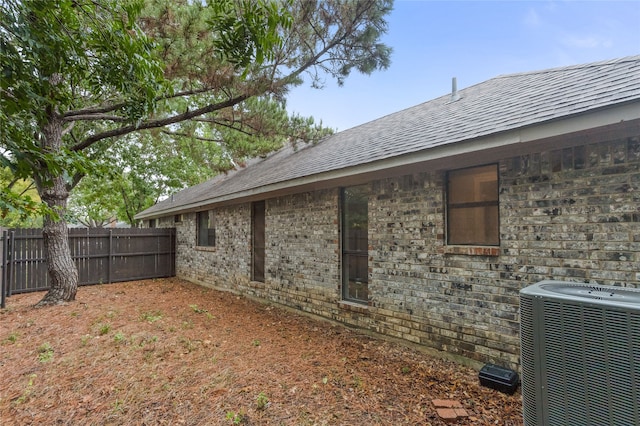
(109, 266)
(10, 258)
(3, 256)
(173, 241)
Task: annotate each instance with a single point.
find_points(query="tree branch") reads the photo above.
(152, 124)
(229, 124)
(67, 116)
(92, 117)
(68, 129)
(200, 138)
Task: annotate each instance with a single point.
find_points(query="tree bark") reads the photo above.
(63, 274)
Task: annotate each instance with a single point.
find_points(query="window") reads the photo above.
(258, 251)
(472, 206)
(205, 232)
(152, 223)
(355, 244)
(177, 218)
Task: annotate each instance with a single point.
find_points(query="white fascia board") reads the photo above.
(578, 123)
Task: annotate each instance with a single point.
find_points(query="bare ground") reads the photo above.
(170, 352)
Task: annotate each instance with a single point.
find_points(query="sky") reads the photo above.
(434, 41)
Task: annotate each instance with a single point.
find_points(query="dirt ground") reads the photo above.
(168, 352)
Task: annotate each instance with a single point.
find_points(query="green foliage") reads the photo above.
(198, 310)
(105, 90)
(262, 401)
(217, 71)
(235, 418)
(20, 205)
(151, 316)
(104, 329)
(105, 54)
(27, 391)
(247, 31)
(133, 179)
(45, 352)
(20, 210)
(12, 338)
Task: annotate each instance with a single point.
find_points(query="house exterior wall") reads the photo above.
(565, 214)
(229, 262)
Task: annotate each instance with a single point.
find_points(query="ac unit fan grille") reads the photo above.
(580, 358)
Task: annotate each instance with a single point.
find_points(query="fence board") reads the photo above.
(101, 256)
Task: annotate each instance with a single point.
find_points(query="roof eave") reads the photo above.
(539, 131)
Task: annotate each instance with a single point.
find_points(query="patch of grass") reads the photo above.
(148, 346)
(406, 370)
(12, 338)
(198, 310)
(104, 329)
(357, 382)
(85, 339)
(151, 316)
(118, 406)
(188, 344)
(45, 352)
(262, 401)
(235, 418)
(27, 391)
(119, 337)
(256, 342)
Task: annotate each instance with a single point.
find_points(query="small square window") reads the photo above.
(205, 232)
(472, 206)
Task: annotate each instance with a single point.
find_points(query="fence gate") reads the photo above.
(101, 256)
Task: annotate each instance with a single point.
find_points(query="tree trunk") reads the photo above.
(63, 274)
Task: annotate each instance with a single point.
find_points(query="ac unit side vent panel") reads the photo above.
(529, 379)
(580, 356)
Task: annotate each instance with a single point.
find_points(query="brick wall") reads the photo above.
(303, 258)
(569, 214)
(224, 265)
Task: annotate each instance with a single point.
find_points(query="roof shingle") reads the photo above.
(497, 105)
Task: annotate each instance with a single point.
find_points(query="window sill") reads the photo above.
(205, 248)
(353, 306)
(472, 250)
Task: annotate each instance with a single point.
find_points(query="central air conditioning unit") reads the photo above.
(580, 348)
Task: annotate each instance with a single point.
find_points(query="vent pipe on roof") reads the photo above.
(454, 90)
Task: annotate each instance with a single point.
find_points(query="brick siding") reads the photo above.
(566, 214)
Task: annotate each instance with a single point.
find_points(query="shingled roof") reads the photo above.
(496, 106)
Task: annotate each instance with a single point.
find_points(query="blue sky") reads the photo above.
(473, 41)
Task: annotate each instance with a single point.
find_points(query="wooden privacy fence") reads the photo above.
(101, 256)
